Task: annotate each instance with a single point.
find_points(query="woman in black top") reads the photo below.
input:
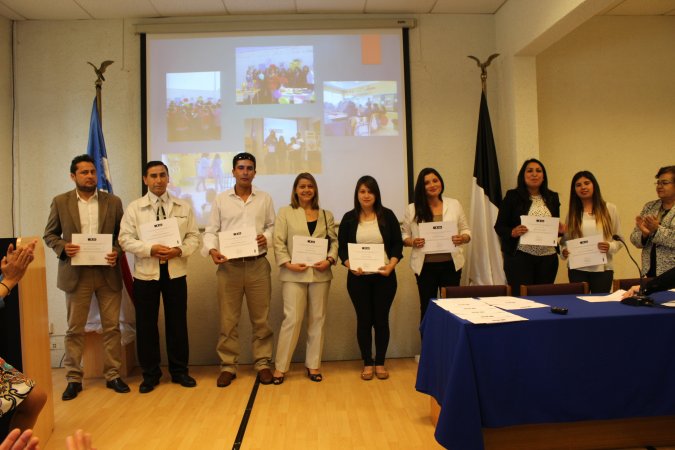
(527, 264)
(372, 294)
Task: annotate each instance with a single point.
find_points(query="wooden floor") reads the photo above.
(342, 412)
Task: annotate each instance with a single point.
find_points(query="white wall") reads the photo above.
(6, 127)
(55, 88)
(607, 104)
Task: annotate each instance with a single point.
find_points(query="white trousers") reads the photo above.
(297, 297)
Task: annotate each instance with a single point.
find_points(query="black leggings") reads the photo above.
(598, 282)
(434, 276)
(372, 297)
(523, 268)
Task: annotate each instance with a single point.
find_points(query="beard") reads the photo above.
(83, 188)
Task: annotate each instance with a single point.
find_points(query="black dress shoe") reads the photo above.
(118, 386)
(71, 390)
(184, 380)
(147, 386)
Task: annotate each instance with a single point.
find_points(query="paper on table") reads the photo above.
(540, 230)
(93, 249)
(477, 312)
(506, 302)
(369, 257)
(438, 236)
(613, 297)
(309, 250)
(584, 252)
(238, 243)
(163, 232)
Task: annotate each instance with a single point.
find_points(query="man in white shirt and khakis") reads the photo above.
(237, 208)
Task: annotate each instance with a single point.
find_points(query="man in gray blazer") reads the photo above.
(88, 211)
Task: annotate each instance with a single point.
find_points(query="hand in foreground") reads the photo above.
(634, 290)
(603, 246)
(111, 258)
(518, 231)
(321, 266)
(357, 272)
(651, 223)
(387, 269)
(16, 440)
(79, 441)
(296, 267)
(164, 253)
(15, 263)
(460, 239)
(217, 257)
(71, 249)
(418, 243)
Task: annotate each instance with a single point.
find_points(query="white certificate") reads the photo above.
(163, 232)
(438, 236)
(238, 243)
(540, 230)
(309, 250)
(93, 249)
(584, 252)
(368, 257)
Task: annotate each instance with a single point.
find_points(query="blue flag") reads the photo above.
(96, 149)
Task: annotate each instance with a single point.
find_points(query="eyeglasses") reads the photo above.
(663, 182)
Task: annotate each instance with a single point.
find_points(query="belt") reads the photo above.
(248, 258)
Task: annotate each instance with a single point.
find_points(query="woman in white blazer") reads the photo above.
(434, 270)
(303, 286)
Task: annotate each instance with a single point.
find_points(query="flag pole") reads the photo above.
(484, 259)
(99, 86)
(483, 69)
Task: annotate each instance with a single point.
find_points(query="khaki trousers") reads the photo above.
(297, 298)
(91, 282)
(251, 279)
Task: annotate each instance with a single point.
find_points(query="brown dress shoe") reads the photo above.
(225, 378)
(265, 376)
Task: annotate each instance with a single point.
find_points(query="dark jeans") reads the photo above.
(523, 268)
(174, 296)
(434, 276)
(598, 282)
(372, 297)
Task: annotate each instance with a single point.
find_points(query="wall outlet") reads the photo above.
(56, 343)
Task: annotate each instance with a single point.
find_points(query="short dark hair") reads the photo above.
(666, 169)
(243, 156)
(78, 159)
(150, 164)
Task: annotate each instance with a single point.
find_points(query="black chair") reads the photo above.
(553, 289)
(475, 291)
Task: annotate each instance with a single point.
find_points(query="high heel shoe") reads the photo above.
(278, 380)
(317, 377)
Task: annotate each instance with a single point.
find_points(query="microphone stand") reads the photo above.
(639, 299)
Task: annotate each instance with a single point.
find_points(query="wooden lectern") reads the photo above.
(32, 320)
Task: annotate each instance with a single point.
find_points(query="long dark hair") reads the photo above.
(522, 187)
(371, 184)
(576, 209)
(422, 210)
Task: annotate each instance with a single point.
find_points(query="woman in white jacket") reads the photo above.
(590, 215)
(434, 270)
(303, 286)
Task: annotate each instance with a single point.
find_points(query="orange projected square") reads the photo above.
(371, 49)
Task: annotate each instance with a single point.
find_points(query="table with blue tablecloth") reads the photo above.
(600, 361)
